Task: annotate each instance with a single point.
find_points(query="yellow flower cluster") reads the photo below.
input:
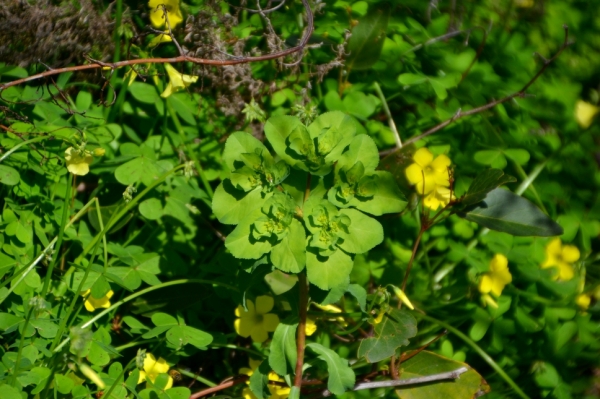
(431, 178)
(276, 391)
(79, 161)
(561, 258)
(495, 280)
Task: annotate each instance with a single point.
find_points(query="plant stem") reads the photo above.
(21, 342)
(61, 232)
(386, 109)
(197, 377)
(140, 293)
(301, 338)
(487, 358)
(16, 147)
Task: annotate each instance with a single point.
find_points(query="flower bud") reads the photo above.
(402, 296)
(99, 152)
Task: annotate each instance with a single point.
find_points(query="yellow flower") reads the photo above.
(99, 152)
(561, 257)
(256, 322)
(92, 303)
(498, 276)
(583, 301)
(277, 391)
(332, 309)
(427, 173)
(152, 368)
(177, 81)
(157, 15)
(439, 197)
(161, 38)
(402, 296)
(78, 162)
(310, 327)
(585, 113)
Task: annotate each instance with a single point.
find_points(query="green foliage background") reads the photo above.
(163, 251)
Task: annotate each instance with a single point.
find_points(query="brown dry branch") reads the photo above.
(460, 114)
(230, 61)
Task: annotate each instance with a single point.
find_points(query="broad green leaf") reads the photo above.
(144, 92)
(283, 351)
(277, 130)
(387, 198)
(328, 272)
(138, 169)
(163, 319)
(364, 232)
(176, 393)
(239, 143)
(518, 155)
(360, 294)
(341, 376)
(45, 328)
(151, 208)
(289, 255)
(485, 182)
(337, 120)
(360, 105)
(35, 376)
(363, 149)
(469, 385)
(259, 381)
(63, 384)
(411, 79)
(391, 333)
(240, 242)
(8, 320)
(504, 211)
(366, 42)
(231, 205)
(183, 335)
(9, 176)
(280, 282)
(494, 158)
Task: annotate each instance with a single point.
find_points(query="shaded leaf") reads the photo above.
(394, 331)
(341, 376)
(485, 182)
(282, 357)
(368, 37)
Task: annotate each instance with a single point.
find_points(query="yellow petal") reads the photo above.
(89, 306)
(149, 362)
(565, 271)
(168, 91)
(270, 322)
(77, 163)
(485, 284)
(254, 364)
(414, 174)
(259, 334)
(162, 38)
(497, 287)
(498, 263)
(157, 14)
(142, 377)
(247, 394)
(169, 383)
(585, 113)
(488, 300)
(554, 248)
(264, 304)
(570, 253)
(583, 301)
(178, 80)
(423, 157)
(243, 327)
(310, 327)
(441, 162)
(86, 292)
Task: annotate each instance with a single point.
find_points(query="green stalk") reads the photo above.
(386, 109)
(16, 147)
(197, 378)
(487, 358)
(191, 153)
(61, 232)
(140, 293)
(20, 350)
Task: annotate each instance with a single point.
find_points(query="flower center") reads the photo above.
(258, 318)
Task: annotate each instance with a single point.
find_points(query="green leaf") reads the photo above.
(393, 332)
(44, 327)
(280, 282)
(35, 376)
(282, 356)
(409, 79)
(144, 92)
(504, 211)
(176, 393)
(289, 255)
(368, 37)
(240, 242)
(469, 385)
(259, 381)
(518, 155)
(231, 205)
(328, 272)
(362, 148)
(360, 294)
(485, 182)
(9, 176)
(151, 208)
(278, 130)
(183, 335)
(341, 377)
(8, 320)
(63, 384)
(138, 169)
(163, 319)
(343, 123)
(239, 143)
(364, 232)
(494, 158)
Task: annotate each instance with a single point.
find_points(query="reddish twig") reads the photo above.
(182, 58)
(459, 114)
